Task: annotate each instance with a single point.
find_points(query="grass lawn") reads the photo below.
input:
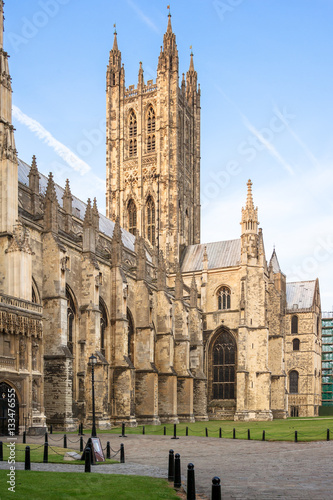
(55, 454)
(308, 429)
(62, 485)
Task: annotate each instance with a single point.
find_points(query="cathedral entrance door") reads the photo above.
(6, 393)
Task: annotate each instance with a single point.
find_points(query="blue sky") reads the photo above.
(266, 72)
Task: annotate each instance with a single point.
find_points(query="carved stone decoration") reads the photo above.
(34, 394)
(20, 240)
(22, 351)
(34, 355)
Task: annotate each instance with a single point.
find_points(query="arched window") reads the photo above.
(151, 127)
(133, 147)
(133, 127)
(104, 324)
(71, 314)
(294, 324)
(293, 382)
(132, 132)
(150, 205)
(131, 208)
(295, 344)
(223, 298)
(130, 335)
(224, 367)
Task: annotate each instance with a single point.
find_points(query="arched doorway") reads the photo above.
(7, 396)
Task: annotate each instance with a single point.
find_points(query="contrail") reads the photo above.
(63, 151)
(144, 18)
(307, 151)
(268, 145)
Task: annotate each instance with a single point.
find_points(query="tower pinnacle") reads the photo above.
(249, 213)
(1, 24)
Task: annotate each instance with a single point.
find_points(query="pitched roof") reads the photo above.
(106, 225)
(220, 254)
(300, 294)
(275, 263)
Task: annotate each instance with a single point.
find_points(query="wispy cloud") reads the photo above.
(143, 17)
(307, 151)
(268, 145)
(60, 149)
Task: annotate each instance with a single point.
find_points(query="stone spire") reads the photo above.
(250, 237)
(191, 82)
(34, 176)
(8, 154)
(274, 263)
(115, 71)
(249, 213)
(168, 59)
(68, 207)
(116, 245)
(89, 230)
(87, 222)
(193, 292)
(1, 24)
(34, 186)
(140, 78)
(95, 215)
(51, 206)
(67, 198)
(115, 42)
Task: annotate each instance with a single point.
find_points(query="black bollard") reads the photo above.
(190, 483)
(220, 433)
(263, 435)
(206, 432)
(174, 432)
(248, 434)
(295, 436)
(122, 454)
(45, 438)
(216, 488)
(1, 452)
(81, 444)
(177, 481)
(27, 465)
(51, 429)
(171, 469)
(234, 434)
(65, 441)
(328, 435)
(24, 437)
(123, 430)
(143, 430)
(87, 462)
(46, 453)
(108, 450)
(164, 431)
(186, 431)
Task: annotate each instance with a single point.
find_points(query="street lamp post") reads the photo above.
(92, 363)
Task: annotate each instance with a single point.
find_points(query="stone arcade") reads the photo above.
(182, 331)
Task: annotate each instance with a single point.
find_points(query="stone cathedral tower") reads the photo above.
(153, 151)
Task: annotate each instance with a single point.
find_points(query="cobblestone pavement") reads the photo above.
(249, 470)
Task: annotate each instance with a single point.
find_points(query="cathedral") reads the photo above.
(182, 331)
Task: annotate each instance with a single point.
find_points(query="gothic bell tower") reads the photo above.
(153, 151)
